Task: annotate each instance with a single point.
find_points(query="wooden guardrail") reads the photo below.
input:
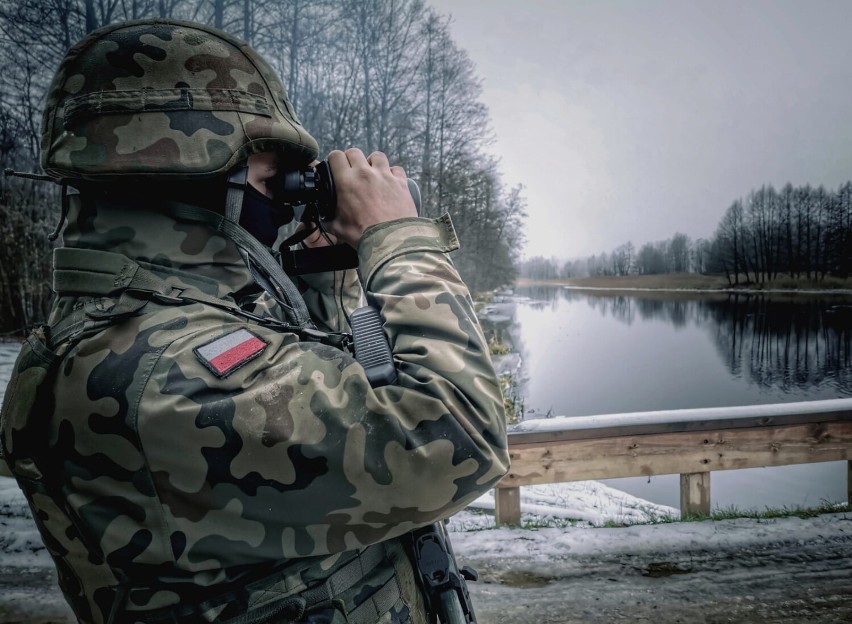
(692, 443)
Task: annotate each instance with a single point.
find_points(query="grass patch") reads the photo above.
(722, 513)
(732, 513)
(534, 522)
(669, 280)
(783, 282)
(480, 300)
(696, 281)
(495, 347)
(513, 399)
(672, 280)
(653, 518)
(552, 523)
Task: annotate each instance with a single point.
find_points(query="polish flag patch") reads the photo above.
(228, 353)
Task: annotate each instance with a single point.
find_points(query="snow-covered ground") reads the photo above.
(20, 544)
(579, 504)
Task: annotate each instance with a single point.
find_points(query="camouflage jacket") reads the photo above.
(196, 448)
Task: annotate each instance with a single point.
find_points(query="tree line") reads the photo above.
(798, 232)
(678, 254)
(377, 74)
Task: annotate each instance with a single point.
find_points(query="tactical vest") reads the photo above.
(370, 586)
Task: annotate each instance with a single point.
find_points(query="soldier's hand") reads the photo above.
(369, 191)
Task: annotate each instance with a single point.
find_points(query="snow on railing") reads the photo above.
(779, 412)
(689, 442)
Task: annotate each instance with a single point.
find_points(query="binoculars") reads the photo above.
(311, 195)
(313, 188)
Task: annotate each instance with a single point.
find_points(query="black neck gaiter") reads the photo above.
(261, 216)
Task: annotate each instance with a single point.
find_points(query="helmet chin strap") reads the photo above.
(237, 180)
(63, 217)
(65, 192)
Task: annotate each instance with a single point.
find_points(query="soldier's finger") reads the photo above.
(356, 158)
(338, 161)
(378, 160)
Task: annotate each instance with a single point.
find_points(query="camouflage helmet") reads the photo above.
(165, 98)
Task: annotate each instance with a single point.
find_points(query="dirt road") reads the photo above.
(779, 571)
(781, 581)
(796, 571)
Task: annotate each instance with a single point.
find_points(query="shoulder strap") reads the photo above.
(257, 257)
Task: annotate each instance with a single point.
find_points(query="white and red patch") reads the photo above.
(228, 353)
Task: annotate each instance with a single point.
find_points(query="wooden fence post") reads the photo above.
(508, 506)
(694, 494)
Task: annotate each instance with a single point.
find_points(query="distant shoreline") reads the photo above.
(696, 282)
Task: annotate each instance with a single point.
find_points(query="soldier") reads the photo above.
(194, 446)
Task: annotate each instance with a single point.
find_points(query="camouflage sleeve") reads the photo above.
(331, 298)
(290, 452)
(438, 345)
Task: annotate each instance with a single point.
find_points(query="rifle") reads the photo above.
(443, 584)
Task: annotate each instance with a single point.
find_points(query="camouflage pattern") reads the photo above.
(165, 98)
(332, 297)
(190, 484)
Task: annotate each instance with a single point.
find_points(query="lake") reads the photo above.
(590, 352)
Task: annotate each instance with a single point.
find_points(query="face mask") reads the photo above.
(262, 217)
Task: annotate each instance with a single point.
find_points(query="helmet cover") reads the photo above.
(153, 98)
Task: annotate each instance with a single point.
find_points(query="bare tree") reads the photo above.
(379, 74)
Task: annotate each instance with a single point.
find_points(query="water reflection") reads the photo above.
(788, 342)
(784, 341)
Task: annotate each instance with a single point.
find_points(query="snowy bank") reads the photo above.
(20, 543)
(551, 544)
(578, 503)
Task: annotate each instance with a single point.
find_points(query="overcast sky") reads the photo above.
(635, 120)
